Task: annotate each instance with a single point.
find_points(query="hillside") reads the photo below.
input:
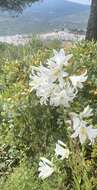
(44, 16)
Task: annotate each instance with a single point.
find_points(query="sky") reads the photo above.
(86, 2)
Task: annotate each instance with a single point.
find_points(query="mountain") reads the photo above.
(45, 16)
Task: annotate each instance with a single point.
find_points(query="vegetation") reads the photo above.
(16, 5)
(29, 130)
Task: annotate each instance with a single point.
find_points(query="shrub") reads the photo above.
(31, 130)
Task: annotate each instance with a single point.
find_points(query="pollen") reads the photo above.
(83, 131)
(56, 72)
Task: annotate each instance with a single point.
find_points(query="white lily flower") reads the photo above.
(85, 132)
(40, 81)
(38, 76)
(88, 112)
(80, 126)
(44, 92)
(77, 81)
(92, 133)
(56, 65)
(62, 97)
(45, 168)
(61, 150)
(77, 119)
(60, 57)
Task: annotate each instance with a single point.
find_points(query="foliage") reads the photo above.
(16, 5)
(29, 130)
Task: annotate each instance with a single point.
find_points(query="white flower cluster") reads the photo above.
(46, 167)
(81, 130)
(81, 127)
(53, 83)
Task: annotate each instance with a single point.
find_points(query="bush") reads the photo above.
(22, 178)
(25, 177)
(31, 130)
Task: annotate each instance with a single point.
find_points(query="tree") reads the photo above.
(91, 33)
(16, 5)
